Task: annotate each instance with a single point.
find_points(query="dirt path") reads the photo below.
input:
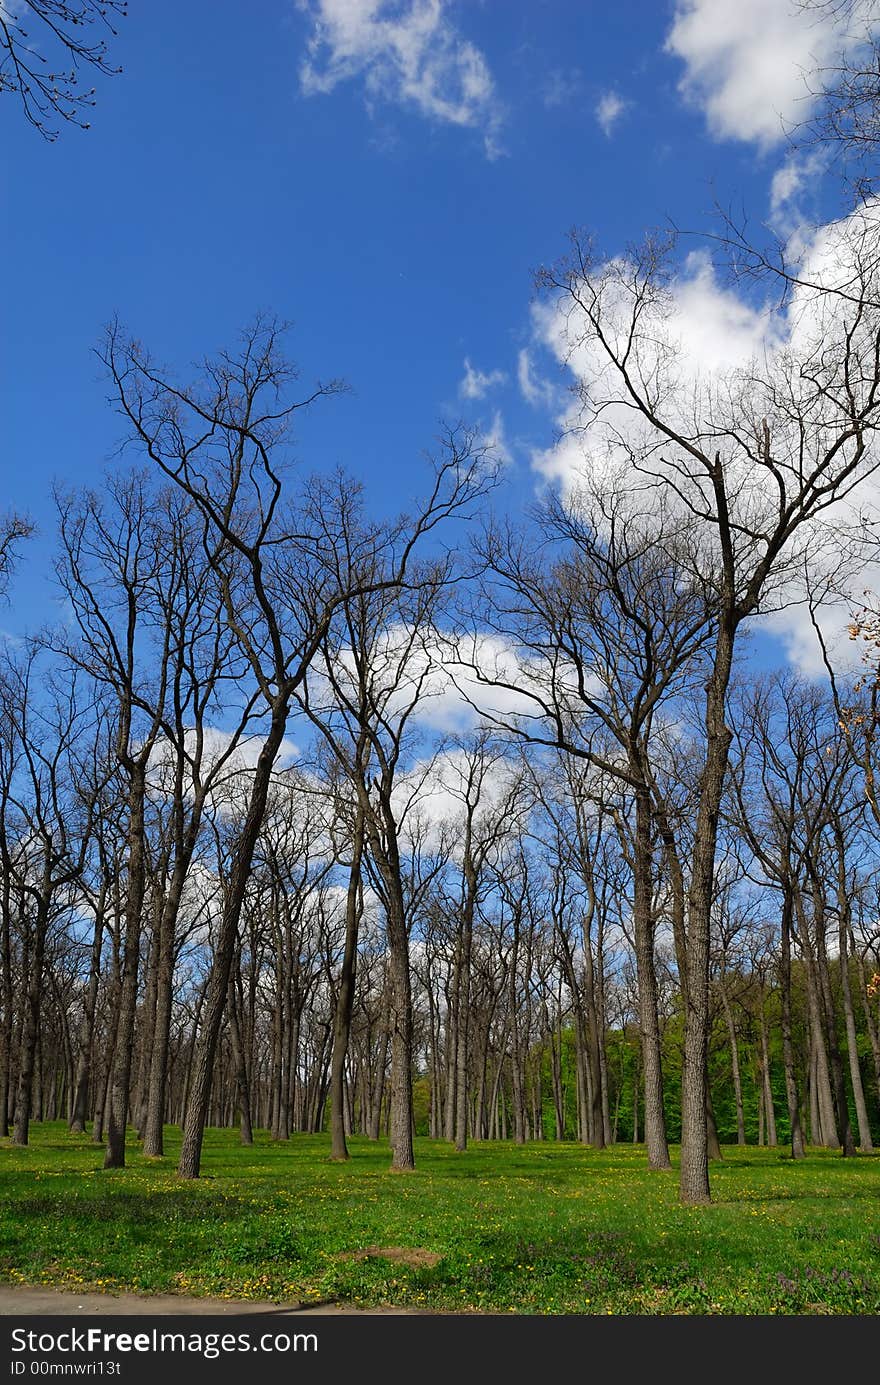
(20, 1300)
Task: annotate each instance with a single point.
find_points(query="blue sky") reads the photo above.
(387, 176)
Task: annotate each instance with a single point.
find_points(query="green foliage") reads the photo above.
(547, 1228)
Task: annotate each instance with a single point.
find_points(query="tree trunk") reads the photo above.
(734, 1066)
(378, 1088)
(240, 1066)
(867, 1015)
(164, 984)
(31, 1027)
(218, 979)
(829, 1020)
(843, 931)
(87, 1032)
(6, 991)
(827, 1118)
(694, 1176)
(791, 1090)
(402, 1155)
(345, 998)
(766, 1084)
(462, 1028)
(649, 1023)
(449, 1102)
(120, 1082)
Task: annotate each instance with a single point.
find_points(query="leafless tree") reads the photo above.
(74, 30)
(755, 459)
(45, 854)
(372, 673)
(13, 529)
(610, 619)
(284, 568)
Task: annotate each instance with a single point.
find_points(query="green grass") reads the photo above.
(542, 1229)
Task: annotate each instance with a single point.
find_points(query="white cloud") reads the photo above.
(433, 795)
(407, 53)
(453, 683)
(786, 184)
(716, 366)
(535, 391)
(714, 327)
(494, 440)
(229, 764)
(476, 383)
(794, 628)
(702, 330)
(791, 186)
(608, 111)
(747, 61)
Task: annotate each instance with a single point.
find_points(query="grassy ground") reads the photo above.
(541, 1229)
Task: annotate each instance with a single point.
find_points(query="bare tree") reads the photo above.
(489, 813)
(846, 92)
(283, 570)
(610, 620)
(362, 695)
(52, 834)
(755, 459)
(74, 29)
(13, 528)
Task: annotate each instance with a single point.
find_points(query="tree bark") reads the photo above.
(120, 1081)
(218, 980)
(694, 1176)
(27, 1062)
(345, 997)
(87, 1031)
(643, 929)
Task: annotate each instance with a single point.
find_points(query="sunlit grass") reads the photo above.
(541, 1229)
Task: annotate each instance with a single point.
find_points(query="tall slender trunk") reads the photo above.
(843, 930)
(6, 991)
(227, 937)
(378, 1085)
(580, 1031)
(607, 1130)
(345, 997)
(734, 1064)
(434, 1031)
(462, 1028)
(867, 1013)
(516, 1085)
(554, 1041)
(146, 1021)
(386, 855)
(402, 1155)
(694, 1175)
(827, 1118)
(649, 1023)
(241, 1072)
(87, 1029)
(766, 1085)
(450, 1045)
(164, 984)
(829, 1018)
(27, 1064)
(792, 1097)
(596, 1119)
(120, 1083)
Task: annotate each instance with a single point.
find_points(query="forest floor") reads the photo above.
(543, 1228)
